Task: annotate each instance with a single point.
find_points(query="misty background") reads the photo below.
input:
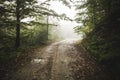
(64, 28)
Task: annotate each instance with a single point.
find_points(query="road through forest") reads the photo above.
(59, 61)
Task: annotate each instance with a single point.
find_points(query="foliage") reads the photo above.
(103, 38)
(32, 16)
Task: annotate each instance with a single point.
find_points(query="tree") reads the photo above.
(17, 23)
(102, 16)
(16, 10)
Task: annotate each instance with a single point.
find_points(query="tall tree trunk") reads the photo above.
(17, 23)
(47, 26)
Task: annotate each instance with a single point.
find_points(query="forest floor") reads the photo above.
(59, 61)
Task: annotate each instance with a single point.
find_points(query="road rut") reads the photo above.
(60, 61)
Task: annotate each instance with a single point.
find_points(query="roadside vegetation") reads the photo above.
(24, 26)
(101, 27)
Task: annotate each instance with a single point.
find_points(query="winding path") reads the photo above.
(58, 61)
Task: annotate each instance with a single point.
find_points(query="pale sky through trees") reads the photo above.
(66, 27)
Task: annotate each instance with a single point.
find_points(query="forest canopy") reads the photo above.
(99, 22)
(101, 27)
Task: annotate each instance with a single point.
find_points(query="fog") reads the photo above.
(66, 30)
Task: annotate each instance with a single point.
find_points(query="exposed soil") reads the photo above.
(59, 61)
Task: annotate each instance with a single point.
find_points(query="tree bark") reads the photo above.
(17, 23)
(47, 26)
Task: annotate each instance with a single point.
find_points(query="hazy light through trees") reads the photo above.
(65, 27)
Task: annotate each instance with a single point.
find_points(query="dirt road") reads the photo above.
(57, 61)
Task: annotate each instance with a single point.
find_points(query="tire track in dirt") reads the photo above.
(39, 68)
(48, 63)
(61, 60)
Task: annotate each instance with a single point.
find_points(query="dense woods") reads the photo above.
(24, 24)
(101, 27)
